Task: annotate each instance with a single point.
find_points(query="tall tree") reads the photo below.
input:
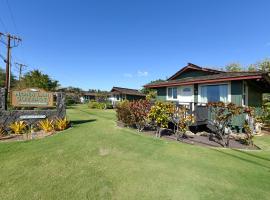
(264, 65)
(252, 68)
(234, 67)
(151, 93)
(37, 79)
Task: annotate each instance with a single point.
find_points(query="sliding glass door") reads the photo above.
(214, 93)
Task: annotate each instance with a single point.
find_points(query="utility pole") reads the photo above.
(15, 40)
(7, 85)
(20, 69)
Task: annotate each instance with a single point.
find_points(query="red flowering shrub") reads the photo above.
(123, 113)
(139, 113)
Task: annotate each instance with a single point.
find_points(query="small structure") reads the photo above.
(119, 94)
(88, 96)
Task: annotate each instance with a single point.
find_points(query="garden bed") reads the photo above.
(202, 141)
(24, 137)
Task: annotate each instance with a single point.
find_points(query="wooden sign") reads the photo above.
(32, 98)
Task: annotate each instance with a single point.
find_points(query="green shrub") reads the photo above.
(96, 105)
(70, 101)
(99, 105)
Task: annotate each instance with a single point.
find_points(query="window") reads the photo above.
(172, 93)
(214, 93)
(117, 97)
(187, 89)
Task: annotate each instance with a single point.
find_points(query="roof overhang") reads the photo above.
(167, 84)
(193, 67)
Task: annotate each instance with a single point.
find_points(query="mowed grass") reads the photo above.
(97, 160)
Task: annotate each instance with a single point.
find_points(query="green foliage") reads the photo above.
(264, 65)
(252, 68)
(161, 114)
(182, 119)
(70, 101)
(18, 127)
(234, 67)
(37, 79)
(3, 78)
(151, 93)
(99, 105)
(73, 95)
(139, 113)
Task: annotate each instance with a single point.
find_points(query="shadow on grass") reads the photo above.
(241, 158)
(78, 122)
(252, 155)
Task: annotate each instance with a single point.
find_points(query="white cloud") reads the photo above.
(128, 75)
(142, 73)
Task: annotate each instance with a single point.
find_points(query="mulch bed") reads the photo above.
(24, 137)
(202, 140)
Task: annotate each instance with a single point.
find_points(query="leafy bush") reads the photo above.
(161, 114)
(96, 105)
(70, 101)
(123, 113)
(46, 125)
(182, 119)
(139, 113)
(18, 127)
(62, 124)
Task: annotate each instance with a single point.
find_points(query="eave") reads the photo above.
(167, 84)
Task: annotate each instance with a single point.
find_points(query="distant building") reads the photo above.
(88, 96)
(118, 94)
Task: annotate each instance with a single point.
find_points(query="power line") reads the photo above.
(12, 16)
(3, 24)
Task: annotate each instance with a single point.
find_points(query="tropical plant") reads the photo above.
(249, 124)
(182, 119)
(123, 113)
(46, 125)
(62, 124)
(223, 115)
(37, 79)
(161, 114)
(139, 113)
(18, 127)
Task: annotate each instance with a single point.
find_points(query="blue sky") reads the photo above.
(100, 44)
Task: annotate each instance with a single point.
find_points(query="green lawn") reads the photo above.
(97, 160)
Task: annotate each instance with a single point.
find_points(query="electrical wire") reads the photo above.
(12, 16)
(3, 24)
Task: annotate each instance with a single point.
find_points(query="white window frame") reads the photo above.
(222, 83)
(171, 98)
